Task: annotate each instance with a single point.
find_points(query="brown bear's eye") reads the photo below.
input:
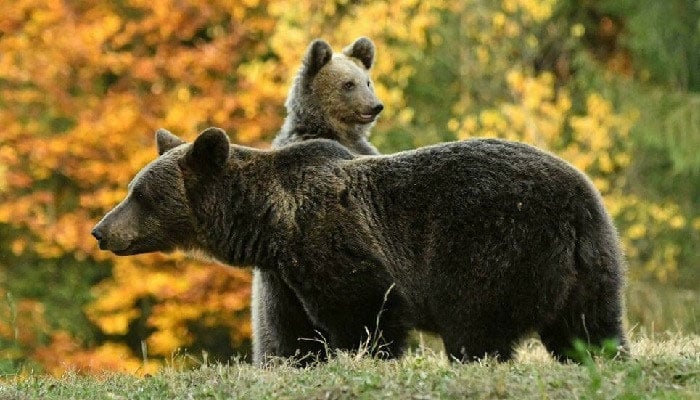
(349, 85)
(138, 195)
(368, 84)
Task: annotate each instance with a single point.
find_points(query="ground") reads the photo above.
(666, 366)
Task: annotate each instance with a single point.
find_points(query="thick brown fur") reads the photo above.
(481, 241)
(330, 95)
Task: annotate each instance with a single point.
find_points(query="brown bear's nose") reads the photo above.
(97, 234)
(377, 109)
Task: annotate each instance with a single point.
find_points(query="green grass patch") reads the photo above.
(666, 368)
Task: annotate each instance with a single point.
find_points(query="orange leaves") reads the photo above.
(84, 85)
(21, 321)
(66, 354)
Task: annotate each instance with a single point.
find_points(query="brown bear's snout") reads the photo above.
(377, 108)
(117, 242)
(97, 233)
(105, 241)
(116, 232)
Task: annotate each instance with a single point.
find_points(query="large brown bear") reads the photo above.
(481, 241)
(332, 97)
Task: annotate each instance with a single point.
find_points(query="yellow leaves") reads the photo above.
(18, 245)
(577, 30)
(636, 231)
(44, 16)
(183, 94)
(605, 163)
(598, 107)
(533, 92)
(262, 76)
(187, 292)
(453, 124)
(677, 222)
(492, 120)
(165, 342)
(509, 6)
(531, 41)
(516, 80)
(597, 129)
(499, 20)
(102, 199)
(535, 115)
(117, 323)
(99, 28)
(3, 178)
(178, 115)
(696, 224)
(172, 316)
(538, 10)
(405, 115)
(647, 227)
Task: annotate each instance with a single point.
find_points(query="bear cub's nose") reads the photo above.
(377, 109)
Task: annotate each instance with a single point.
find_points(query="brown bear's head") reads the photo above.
(337, 85)
(156, 214)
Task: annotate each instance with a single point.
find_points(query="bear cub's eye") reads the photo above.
(368, 84)
(349, 85)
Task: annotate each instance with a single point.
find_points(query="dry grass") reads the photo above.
(660, 367)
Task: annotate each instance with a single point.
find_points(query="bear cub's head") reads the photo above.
(336, 87)
(157, 213)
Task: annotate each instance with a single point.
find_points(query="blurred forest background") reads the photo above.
(613, 86)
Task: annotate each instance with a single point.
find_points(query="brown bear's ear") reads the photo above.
(317, 55)
(210, 151)
(363, 50)
(166, 141)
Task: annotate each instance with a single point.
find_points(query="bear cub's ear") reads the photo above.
(209, 152)
(363, 50)
(317, 55)
(166, 141)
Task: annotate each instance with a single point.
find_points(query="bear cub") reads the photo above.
(481, 241)
(332, 97)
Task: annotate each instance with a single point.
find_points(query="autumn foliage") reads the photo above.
(83, 86)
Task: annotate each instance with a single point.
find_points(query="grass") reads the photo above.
(666, 368)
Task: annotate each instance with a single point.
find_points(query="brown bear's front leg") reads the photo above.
(281, 327)
(386, 340)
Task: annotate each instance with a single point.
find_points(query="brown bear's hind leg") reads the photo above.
(472, 346)
(593, 321)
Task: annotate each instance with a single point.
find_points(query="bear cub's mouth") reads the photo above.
(367, 118)
(369, 114)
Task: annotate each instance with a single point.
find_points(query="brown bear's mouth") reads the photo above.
(133, 250)
(122, 250)
(141, 248)
(128, 251)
